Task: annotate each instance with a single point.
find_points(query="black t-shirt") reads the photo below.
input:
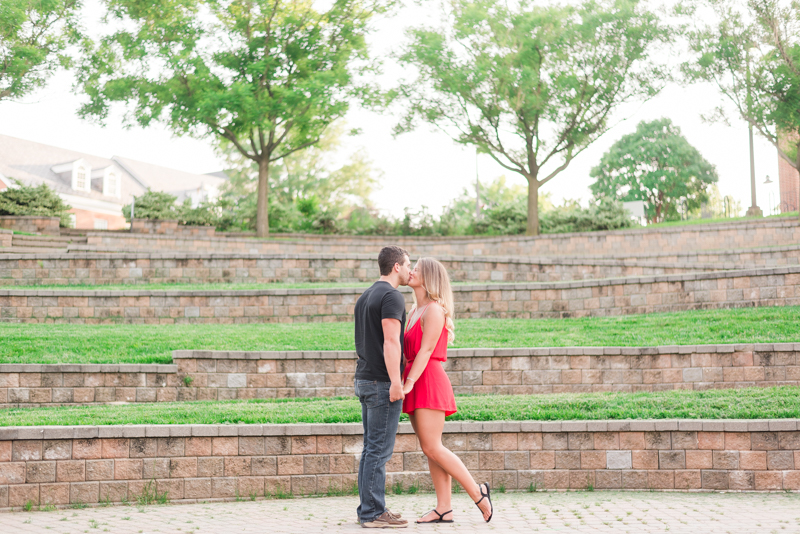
(380, 301)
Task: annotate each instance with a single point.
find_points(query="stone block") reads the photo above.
(618, 459)
(40, 472)
(715, 480)
(84, 492)
(99, 469)
(22, 495)
(54, 494)
(644, 459)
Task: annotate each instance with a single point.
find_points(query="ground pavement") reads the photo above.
(643, 512)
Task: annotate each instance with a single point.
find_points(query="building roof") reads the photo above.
(32, 163)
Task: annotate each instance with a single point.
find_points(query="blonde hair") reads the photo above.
(436, 283)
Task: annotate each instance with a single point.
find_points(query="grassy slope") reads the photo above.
(753, 403)
(49, 343)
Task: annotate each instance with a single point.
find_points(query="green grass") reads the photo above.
(65, 343)
(691, 222)
(752, 403)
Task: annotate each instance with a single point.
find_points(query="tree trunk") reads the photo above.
(262, 207)
(533, 206)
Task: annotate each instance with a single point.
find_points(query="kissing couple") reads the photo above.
(389, 349)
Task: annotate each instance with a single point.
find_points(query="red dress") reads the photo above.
(432, 389)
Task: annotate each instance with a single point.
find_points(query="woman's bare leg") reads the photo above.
(442, 484)
(429, 424)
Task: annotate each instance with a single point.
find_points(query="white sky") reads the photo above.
(420, 168)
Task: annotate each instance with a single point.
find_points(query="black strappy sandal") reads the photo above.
(440, 520)
(485, 496)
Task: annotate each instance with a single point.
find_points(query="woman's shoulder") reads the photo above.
(435, 308)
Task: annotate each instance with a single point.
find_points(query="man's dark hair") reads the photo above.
(388, 257)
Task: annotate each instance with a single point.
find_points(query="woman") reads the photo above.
(428, 394)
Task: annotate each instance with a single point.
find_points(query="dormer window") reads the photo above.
(80, 179)
(111, 181)
(78, 173)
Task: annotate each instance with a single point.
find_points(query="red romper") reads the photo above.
(432, 389)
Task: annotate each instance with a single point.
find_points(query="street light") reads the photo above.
(768, 181)
(753, 210)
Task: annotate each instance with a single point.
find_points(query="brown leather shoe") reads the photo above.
(386, 520)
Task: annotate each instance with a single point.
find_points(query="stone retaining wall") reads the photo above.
(213, 375)
(31, 224)
(65, 466)
(675, 239)
(6, 236)
(633, 295)
(145, 268)
(170, 227)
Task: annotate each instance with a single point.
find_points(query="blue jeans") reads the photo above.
(380, 418)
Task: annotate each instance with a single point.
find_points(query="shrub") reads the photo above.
(206, 214)
(604, 215)
(508, 217)
(152, 205)
(28, 200)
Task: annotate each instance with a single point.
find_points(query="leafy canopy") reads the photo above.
(268, 76)
(751, 52)
(655, 164)
(531, 85)
(34, 36)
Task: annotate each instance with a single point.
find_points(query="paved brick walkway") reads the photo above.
(516, 512)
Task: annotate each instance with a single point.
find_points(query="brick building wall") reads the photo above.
(88, 220)
(789, 182)
(65, 466)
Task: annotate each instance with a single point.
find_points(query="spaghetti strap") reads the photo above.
(418, 318)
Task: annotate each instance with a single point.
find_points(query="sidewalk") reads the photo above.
(618, 512)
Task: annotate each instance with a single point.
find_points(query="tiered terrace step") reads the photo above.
(41, 244)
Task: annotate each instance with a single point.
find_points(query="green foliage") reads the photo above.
(157, 205)
(152, 205)
(309, 192)
(781, 402)
(655, 164)
(269, 76)
(752, 54)
(531, 85)
(28, 200)
(599, 216)
(151, 495)
(34, 36)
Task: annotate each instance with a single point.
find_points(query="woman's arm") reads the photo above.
(433, 326)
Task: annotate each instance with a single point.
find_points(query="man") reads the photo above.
(380, 317)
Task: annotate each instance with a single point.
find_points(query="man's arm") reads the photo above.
(391, 355)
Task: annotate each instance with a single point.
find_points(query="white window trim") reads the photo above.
(107, 172)
(77, 166)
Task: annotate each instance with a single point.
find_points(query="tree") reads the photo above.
(752, 54)
(530, 85)
(309, 172)
(34, 35)
(655, 164)
(269, 76)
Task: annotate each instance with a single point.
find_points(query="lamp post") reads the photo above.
(753, 210)
(477, 189)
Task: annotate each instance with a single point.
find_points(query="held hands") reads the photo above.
(396, 392)
(408, 386)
